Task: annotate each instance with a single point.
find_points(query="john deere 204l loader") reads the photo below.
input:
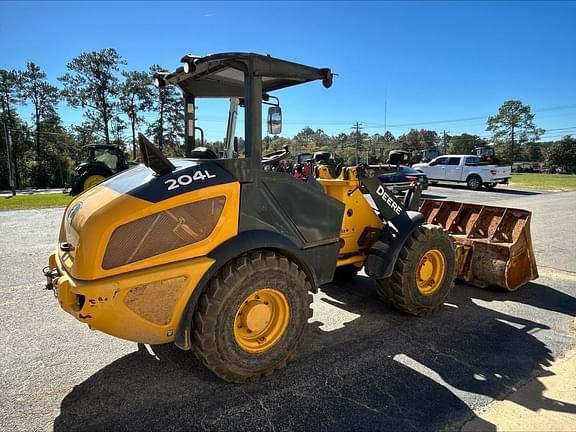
(219, 255)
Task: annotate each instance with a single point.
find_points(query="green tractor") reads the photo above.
(100, 162)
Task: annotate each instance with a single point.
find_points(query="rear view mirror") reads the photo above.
(274, 120)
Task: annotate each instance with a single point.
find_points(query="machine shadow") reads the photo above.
(533, 294)
(372, 368)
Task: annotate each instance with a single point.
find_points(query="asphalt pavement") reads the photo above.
(364, 366)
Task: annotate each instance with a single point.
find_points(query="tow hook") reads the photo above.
(50, 274)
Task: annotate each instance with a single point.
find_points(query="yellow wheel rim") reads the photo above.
(430, 272)
(93, 180)
(261, 320)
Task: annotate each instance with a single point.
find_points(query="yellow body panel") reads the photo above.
(358, 213)
(102, 210)
(121, 307)
(142, 301)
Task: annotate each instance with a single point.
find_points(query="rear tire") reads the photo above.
(424, 273)
(86, 180)
(474, 182)
(252, 318)
(490, 185)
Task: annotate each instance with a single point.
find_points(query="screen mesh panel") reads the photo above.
(162, 232)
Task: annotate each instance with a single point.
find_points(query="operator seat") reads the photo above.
(203, 153)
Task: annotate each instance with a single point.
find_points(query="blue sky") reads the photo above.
(438, 65)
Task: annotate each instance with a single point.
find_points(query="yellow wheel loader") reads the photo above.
(220, 255)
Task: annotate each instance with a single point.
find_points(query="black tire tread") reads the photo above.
(206, 314)
(78, 186)
(394, 290)
(476, 177)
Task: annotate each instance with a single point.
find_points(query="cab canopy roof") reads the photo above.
(223, 75)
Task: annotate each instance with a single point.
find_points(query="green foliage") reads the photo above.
(33, 87)
(135, 97)
(418, 139)
(9, 94)
(8, 98)
(533, 152)
(465, 143)
(514, 124)
(92, 84)
(563, 154)
(168, 130)
(114, 101)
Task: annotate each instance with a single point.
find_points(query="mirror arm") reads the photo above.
(268, 97)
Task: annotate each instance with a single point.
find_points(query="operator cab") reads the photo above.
(111, 156)
(246, 79)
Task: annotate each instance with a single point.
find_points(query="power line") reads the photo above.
(357, 127)
(23, 131)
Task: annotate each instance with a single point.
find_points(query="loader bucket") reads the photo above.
(493, 244)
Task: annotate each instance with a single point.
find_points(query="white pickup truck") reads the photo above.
(464, 169)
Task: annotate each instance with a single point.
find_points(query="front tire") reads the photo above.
(424, 273)
(252, 318)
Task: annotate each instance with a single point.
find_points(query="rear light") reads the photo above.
(493, 172)
(411, 178)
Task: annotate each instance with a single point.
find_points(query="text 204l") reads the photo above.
(185, 180)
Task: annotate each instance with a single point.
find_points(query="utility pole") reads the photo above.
(445, 142)
(385, 123)
(385, 111)
(357, 127)
(512, 150)
(8, 139)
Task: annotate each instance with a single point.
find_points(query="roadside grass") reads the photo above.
(550, 182)
(20, 202)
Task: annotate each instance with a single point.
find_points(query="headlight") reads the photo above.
(70, 219)
(162, 232)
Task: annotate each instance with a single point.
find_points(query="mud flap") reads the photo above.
(383, 254)
(493, 244)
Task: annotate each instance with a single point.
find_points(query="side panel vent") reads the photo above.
(162, 232)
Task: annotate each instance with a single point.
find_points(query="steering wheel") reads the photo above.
(275, 156)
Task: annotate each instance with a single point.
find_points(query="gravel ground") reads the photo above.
(364, 366)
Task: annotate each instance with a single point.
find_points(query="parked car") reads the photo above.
(465, 169)
(399, 178)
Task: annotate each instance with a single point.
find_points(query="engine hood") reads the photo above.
(141, 182)
(92, 217)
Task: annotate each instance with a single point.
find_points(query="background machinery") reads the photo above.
(100, 162)
(219, 256)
